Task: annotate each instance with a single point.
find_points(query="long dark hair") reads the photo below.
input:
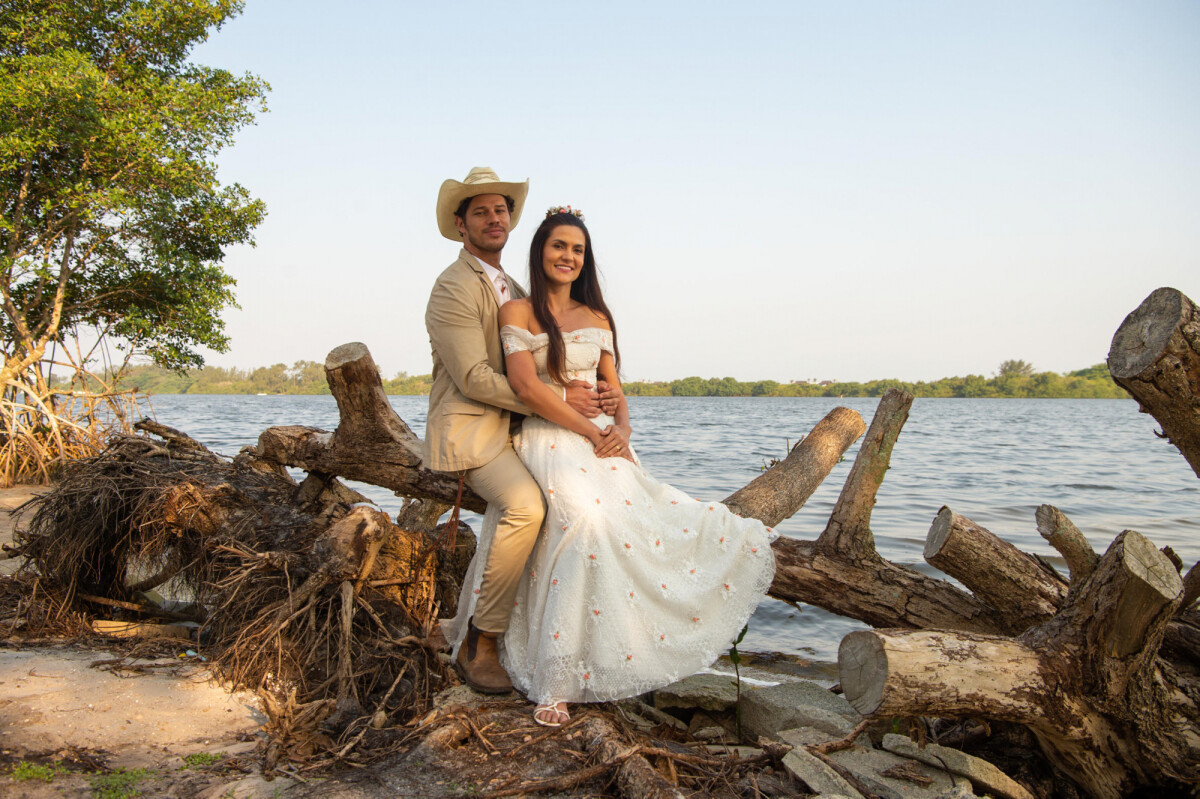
(585, 289)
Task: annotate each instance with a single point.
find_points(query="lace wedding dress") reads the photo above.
(632, 584)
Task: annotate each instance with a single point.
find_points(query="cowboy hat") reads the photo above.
(480, 180)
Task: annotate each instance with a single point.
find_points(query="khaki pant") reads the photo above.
(505, 482)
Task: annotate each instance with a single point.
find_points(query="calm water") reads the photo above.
(994, 461)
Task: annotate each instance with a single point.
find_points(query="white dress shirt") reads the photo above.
(499, 280)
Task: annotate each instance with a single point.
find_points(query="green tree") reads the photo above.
(689, 387)
(764, 388)
(1015, 369)
(113, 222)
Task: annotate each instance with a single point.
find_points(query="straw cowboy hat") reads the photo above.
(480, 180)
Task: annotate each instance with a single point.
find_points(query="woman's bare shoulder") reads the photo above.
(516, 312)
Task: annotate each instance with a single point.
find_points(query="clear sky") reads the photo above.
(783, 190)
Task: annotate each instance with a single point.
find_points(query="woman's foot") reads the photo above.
(551, 714)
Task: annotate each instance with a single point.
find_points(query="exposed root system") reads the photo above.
(281, 588)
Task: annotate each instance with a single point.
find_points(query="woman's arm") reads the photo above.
(540, 398)
(616, 436)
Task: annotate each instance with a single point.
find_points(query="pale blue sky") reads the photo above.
(849, 190)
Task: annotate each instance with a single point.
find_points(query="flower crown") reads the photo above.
(565, 209)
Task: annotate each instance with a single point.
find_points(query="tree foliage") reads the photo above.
(1093, 382)
(113, 220)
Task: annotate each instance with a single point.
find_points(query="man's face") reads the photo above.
(485, 226)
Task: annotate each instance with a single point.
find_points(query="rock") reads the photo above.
(726, 722)
(766, 711)
(808, 736)
(957, 792)
(251, 787)
(866, 764)
(711, 692)
(461, 694)
(982, 774)
(819, 777)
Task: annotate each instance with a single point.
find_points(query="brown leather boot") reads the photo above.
(479, 663)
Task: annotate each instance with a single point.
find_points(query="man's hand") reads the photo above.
(582, 396)
(610, 398)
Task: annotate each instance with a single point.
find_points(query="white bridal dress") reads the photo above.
(632, 584)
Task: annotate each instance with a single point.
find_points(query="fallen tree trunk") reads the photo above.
(1105, 709)
(1013, 583)
(1155, 356)
(841, 571)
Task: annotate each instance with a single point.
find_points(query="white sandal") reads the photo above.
(560, 717)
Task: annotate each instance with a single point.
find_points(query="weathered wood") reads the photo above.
(1122, 612)
(935, 673)
(1005, 578)
(636, 778)
(383, 464)
(841, 571)
(1155, 356)
(342, 549)
(783, 489)
(1191, 586)
(1066, 538)
(849, 529)
(1086, 682)
(875, 591)
(371, 444)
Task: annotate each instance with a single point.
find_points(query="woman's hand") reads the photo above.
(614, 442)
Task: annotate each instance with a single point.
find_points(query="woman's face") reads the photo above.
(562, 258)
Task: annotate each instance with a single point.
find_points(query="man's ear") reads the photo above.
(462, 227)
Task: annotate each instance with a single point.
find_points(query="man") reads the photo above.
(470, 404)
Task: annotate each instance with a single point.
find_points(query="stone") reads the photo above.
(713, 692)
(819, 777)
(957, 792)
(461, 694)
(982, 774)
(866, 764)
(766, 711)
(810, 736)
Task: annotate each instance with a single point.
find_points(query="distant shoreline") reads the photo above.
(308, 378)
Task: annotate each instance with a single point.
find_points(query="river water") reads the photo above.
(992, 460)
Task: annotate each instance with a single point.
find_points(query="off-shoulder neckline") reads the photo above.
(562, 332)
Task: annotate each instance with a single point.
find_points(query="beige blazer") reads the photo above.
(471, 401)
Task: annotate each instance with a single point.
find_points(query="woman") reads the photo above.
(632, 584)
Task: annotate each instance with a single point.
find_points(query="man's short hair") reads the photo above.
(461, 211)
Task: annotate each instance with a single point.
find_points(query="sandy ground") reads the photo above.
(57, 705)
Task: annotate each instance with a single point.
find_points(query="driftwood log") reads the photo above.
(1155, 356)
